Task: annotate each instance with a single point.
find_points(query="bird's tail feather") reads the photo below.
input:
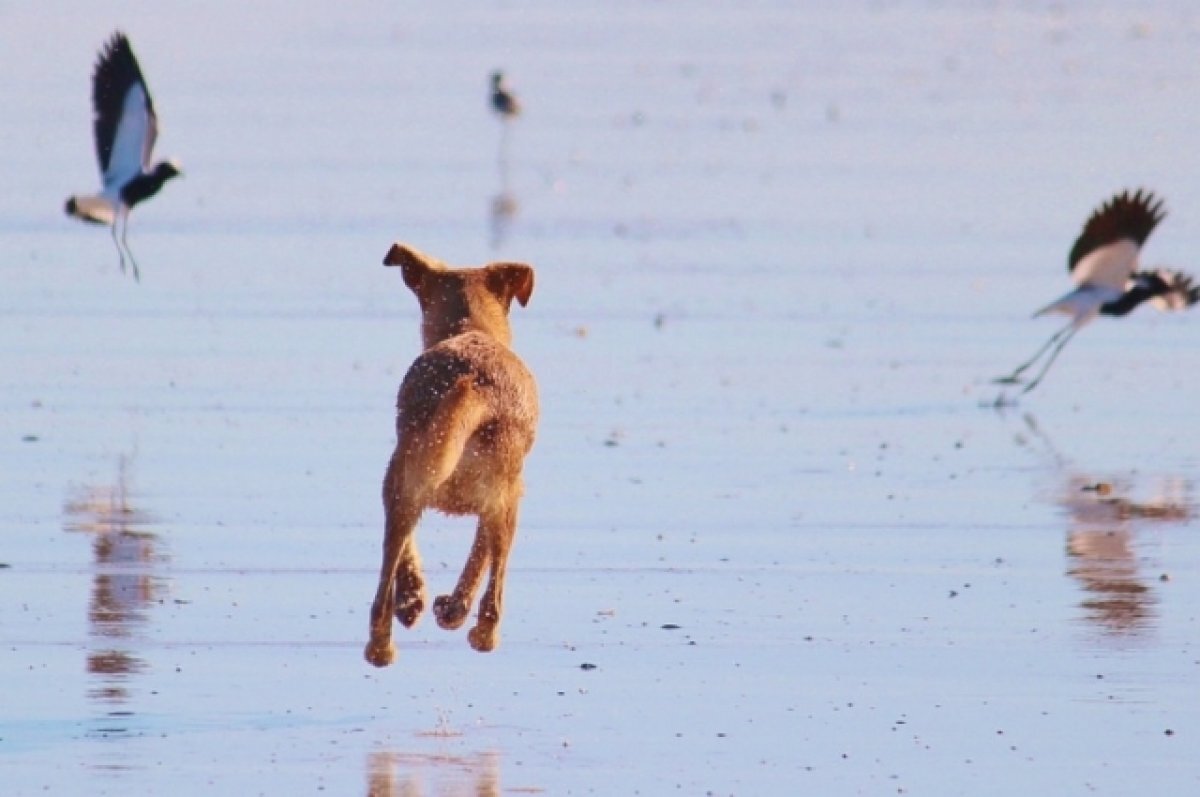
(94, 209)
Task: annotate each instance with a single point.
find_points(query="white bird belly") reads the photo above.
(1082, 304)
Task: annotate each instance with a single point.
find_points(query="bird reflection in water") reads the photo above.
(394, 774)
(503, 210)
(1102, 546)
(124, 586)
(1104, 532)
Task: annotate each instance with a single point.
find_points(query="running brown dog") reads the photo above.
(466, 417)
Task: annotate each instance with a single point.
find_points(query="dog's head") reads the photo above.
(458, 300)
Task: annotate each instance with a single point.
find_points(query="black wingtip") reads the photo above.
(118, 42)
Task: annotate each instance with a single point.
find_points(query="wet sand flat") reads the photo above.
(776, 539)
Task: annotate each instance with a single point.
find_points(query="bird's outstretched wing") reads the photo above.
(1106, 251)
(125, 123)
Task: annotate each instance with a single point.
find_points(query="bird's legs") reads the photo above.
(1071, 330)
(121, 219)
(125, 242)
(116, 241)
(1015, 376)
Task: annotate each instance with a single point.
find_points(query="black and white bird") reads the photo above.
(1104, 264)
(504, 102)
(125, 129)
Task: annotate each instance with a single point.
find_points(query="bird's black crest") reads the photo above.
(1120, 218)
(116, 70)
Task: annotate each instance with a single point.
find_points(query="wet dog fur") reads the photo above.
(466, 416)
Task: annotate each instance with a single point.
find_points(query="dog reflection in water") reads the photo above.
(393, 774)
(466, 416)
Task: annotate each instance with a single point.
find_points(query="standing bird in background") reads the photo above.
(1104, 264)
(504, 102)
(125, 129)
(504, 204)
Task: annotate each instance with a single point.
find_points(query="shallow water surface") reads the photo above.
(778, 538)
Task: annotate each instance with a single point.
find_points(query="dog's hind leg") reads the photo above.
(401, 590)
(499, 529)
(452, 610)
(493, 539)
(410, 584)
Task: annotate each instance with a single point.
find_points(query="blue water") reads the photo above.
(780, 251)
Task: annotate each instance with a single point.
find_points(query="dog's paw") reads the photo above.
(451, 613)
(409, 610)
(380, 654)
(484, 639)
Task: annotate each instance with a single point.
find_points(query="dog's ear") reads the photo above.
(511, 281)
(413, 265)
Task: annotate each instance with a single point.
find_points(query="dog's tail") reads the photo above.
(437, 448)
